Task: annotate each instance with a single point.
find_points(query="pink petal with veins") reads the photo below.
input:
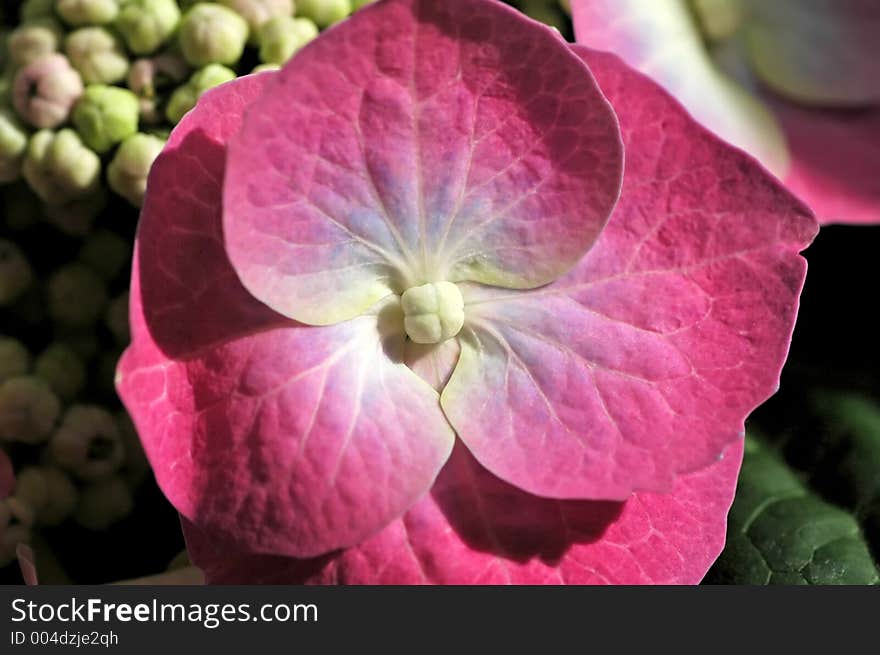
(644, 361)
(419, 141)
(475, 529)
(284, 438)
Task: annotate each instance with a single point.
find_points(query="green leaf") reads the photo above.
(807, 510)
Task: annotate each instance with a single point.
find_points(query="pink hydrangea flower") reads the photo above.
(796, 84)
(399, 315)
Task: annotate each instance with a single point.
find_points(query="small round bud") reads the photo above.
(87, 12)
(13, 144)
(281, 37)
(31, 487)
(432, 312)
(77, 216)
(106, 253)
(87, 443)
(35, 9)
(97, 55)
(148, 77)
(127, 173)
(105, 116)
(34, 40)
(28, 410)
(77, 296)
(16, 273)
(116, 319)
(212, 34)
(323, 12)
(544, 12)
(147, 24)
(49, 491)
(15, 360)
(265, 68)
(186, 96)
(62, 369)
(257, 12)
(46, 90)
(103, 503)
(59, 168)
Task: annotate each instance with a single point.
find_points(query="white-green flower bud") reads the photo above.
(105, 116)
(212, 34)
(187, 95)
(77, 296)
(257, 12)
(46, 90)
(15, 360)
(106, 253)
(59, 168)
(87, 443)
(146, 25)
(127, 173)
(103, 503)
(34, 40)
(49, 491)
(432, 312)
(28, 410)
(116, 319)
(87, 12)
(323, 12)
(62, 369)
(265, 68)
(13, 144)
(16, 273)
(281, 37)
(97, 55)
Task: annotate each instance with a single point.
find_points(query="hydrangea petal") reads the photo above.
(834, 161)
(284, 438)
(419, 141)
(475, 529)
(661, 39)
(644, 361)
(826, 157)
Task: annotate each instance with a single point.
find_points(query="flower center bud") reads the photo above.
(432, 312)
